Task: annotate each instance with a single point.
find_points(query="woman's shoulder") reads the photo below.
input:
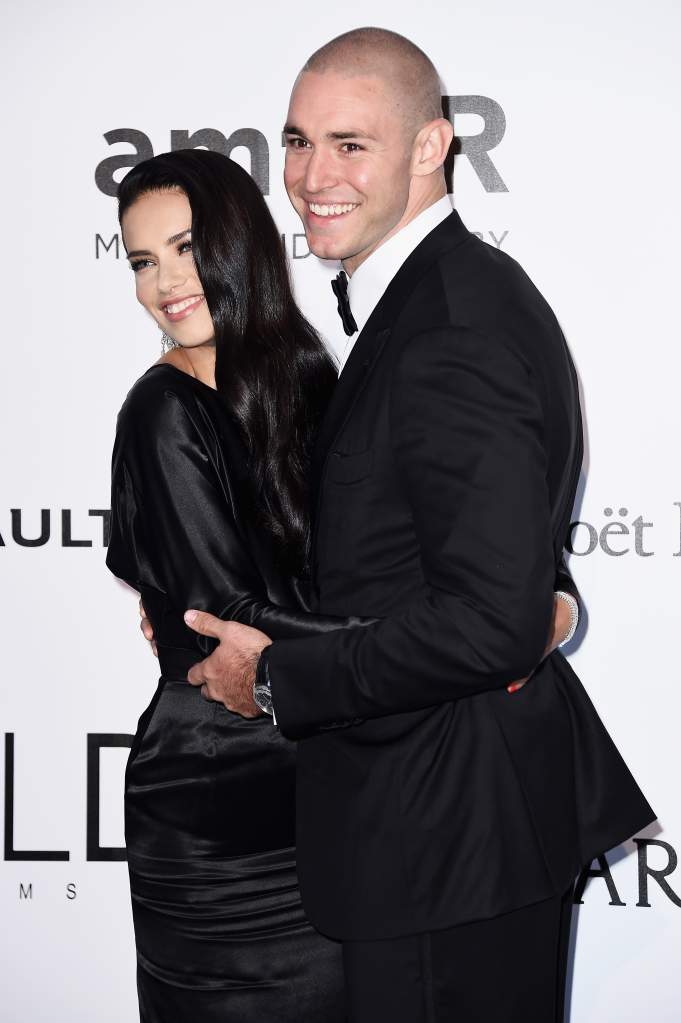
(164, 393)
(159, 424)
(167, 410)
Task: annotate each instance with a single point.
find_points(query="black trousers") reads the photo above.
(510, 969)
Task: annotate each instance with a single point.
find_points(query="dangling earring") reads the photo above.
(167, 343)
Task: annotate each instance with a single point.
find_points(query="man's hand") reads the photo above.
(559, 630)
(147, 630)
(227, 676)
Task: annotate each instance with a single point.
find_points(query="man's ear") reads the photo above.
(431, 147)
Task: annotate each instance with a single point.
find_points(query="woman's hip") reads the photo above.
(203, 782)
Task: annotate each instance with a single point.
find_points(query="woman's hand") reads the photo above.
(560, 628)
(147, 630)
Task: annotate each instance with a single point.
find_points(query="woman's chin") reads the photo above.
(190, 343)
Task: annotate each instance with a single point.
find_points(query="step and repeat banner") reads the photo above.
(568, 126)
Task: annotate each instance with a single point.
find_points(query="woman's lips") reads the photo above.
(183, 308)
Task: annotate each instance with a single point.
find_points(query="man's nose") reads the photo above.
(321, 171)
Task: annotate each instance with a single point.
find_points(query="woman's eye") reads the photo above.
(184, 247)
(139, 264)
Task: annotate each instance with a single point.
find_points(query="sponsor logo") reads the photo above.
(294, 243)
(620, 533)
(648, 849)
(96, 742)
(617, 534)
(35, 528)
(656, 860)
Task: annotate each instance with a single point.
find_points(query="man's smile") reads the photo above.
(331, 209)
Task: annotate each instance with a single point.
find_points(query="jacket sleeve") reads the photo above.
(566, 583)
(468, 441)
(173, 526)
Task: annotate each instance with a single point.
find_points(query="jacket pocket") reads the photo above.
(350, 468)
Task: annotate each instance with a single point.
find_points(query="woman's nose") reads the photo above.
(169, 278)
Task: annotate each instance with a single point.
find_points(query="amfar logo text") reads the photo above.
(475, 147)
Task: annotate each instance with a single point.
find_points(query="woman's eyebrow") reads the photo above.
(176, 237)
(170, 241)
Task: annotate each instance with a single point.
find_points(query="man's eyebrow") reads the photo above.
(341, 135)
(355, 133)
(170, 241)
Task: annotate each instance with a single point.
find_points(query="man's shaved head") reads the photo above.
(365, 142)
(378, 53)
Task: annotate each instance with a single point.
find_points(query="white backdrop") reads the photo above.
(590, 93)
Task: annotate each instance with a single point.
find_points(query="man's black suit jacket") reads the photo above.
(446, 474)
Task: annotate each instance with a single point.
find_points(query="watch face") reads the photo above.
(263, 697)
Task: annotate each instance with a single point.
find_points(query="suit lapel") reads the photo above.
(371, 341)
(361, 360)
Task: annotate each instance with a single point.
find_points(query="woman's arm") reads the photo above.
(173, 526)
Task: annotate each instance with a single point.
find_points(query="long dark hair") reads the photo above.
(271, 367)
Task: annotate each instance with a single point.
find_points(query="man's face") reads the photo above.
(347, 167)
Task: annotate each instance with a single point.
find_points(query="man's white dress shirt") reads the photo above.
(370, 280)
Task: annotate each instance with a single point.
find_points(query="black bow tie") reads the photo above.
(340, 290)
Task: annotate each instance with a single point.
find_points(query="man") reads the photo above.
(442, 819)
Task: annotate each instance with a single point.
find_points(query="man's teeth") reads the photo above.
(184, 304)
(332, 209)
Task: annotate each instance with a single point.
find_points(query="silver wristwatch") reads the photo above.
(262, 691)
(574, 614)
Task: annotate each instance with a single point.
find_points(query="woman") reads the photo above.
(209, 510)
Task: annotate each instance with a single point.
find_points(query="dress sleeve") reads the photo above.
(173, 527)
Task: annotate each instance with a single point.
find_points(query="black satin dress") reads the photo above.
(209, 797)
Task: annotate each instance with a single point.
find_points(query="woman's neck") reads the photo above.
(198, 362)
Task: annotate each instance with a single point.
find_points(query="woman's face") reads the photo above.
(157, 236)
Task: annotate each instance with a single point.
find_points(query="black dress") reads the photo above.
(209, 796)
